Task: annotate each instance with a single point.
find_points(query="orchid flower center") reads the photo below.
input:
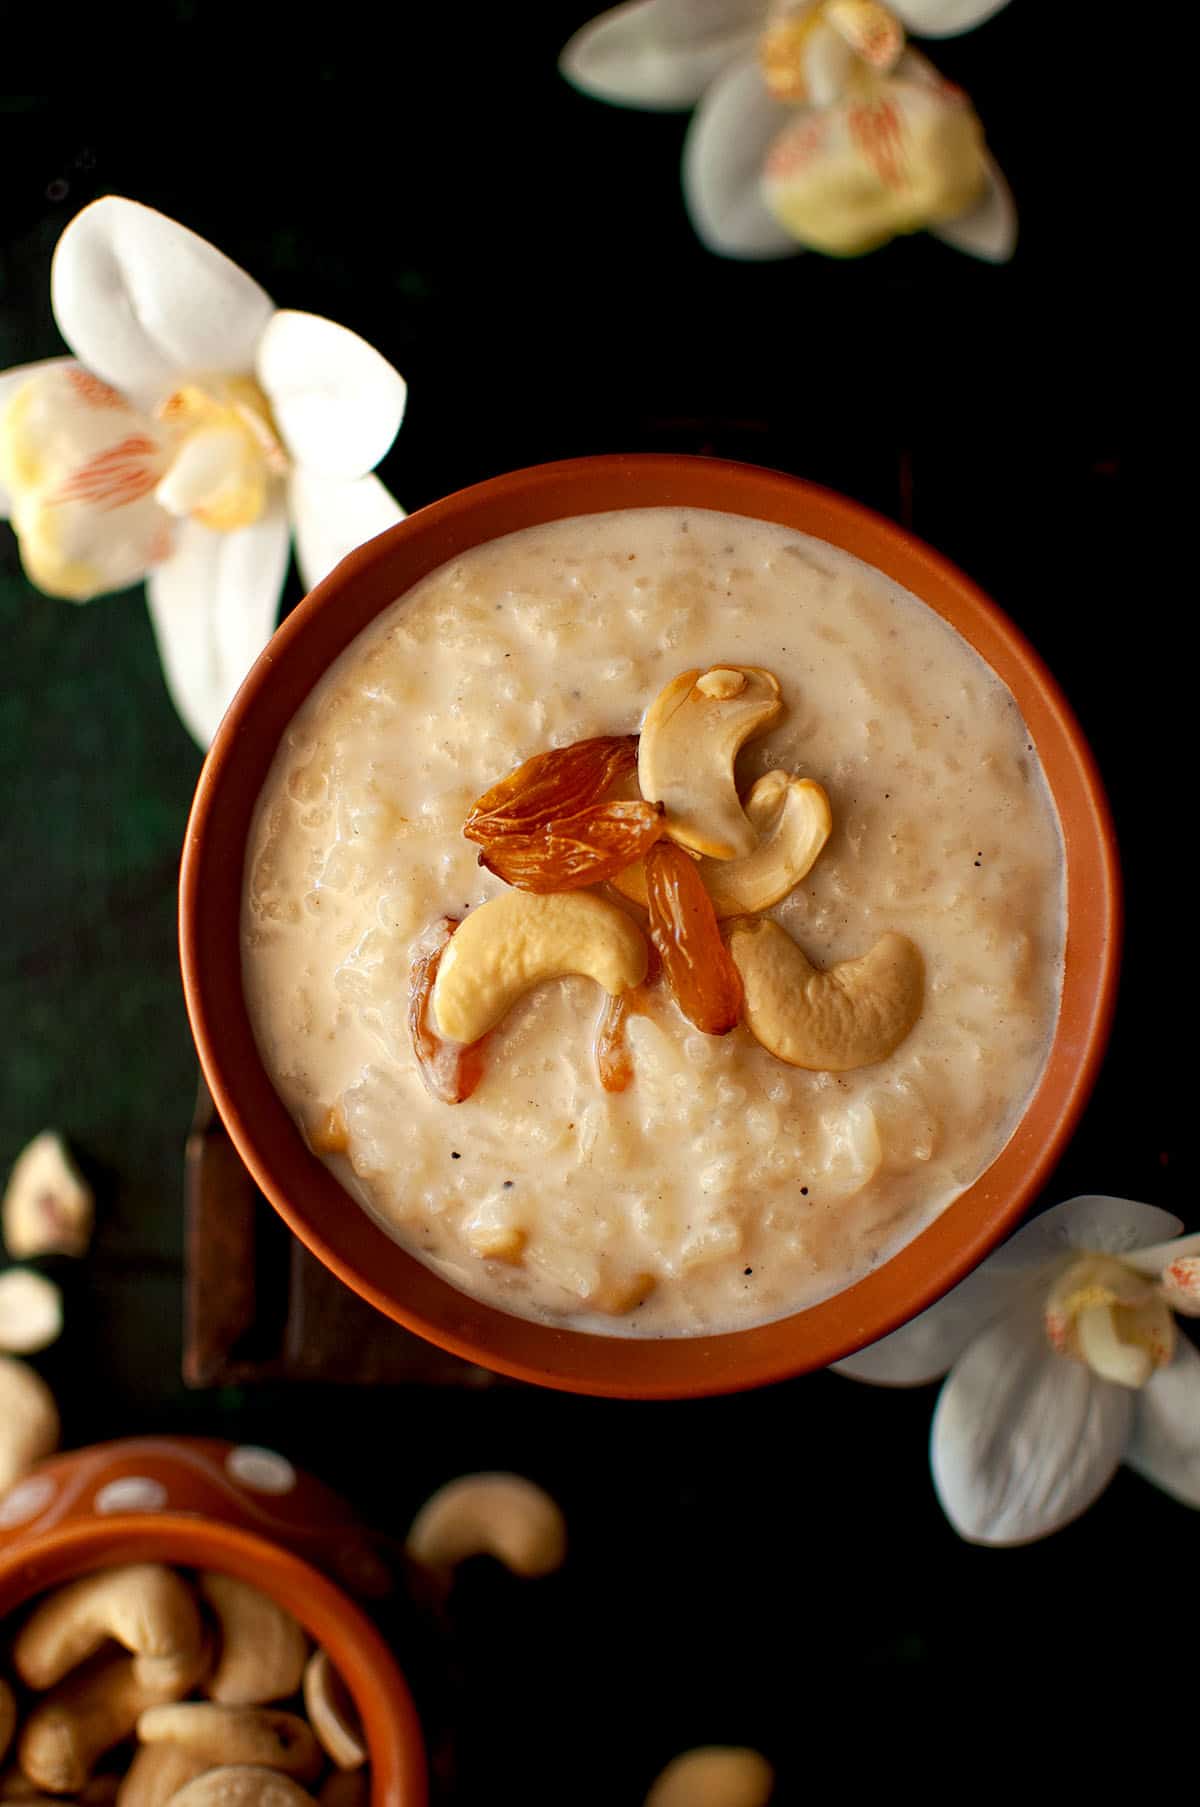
(812, 55)
(1115, 1320)
(226, 450)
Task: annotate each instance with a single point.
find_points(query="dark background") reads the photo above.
(771, 1569)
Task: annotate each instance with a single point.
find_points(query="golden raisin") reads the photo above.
(686, 936)
(572, 851)
(451, 1070)
(550, 786)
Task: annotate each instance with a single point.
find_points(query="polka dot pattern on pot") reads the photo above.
(261, 1470)
(132, 1493)
(26, 1500)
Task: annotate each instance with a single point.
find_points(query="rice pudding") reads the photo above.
(724, 1186)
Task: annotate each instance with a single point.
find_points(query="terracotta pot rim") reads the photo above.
(44, 1560)
(302, 1190)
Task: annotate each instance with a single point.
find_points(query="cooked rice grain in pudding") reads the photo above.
(723, 1188)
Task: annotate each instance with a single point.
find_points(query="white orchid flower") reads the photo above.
(815, 126)
(196, 428)
(1064, 1360)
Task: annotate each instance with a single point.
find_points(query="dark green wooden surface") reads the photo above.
(771, 1568)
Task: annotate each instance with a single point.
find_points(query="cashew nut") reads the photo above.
(259, 1735)
(852, 1015)
(8, 1716)
(500, 1515)
(31, 1315)
(17, 1787)
(157, 1772)
(90, 1712)
(515, 941)
(793, 817)
(28, 1420)
(142, 1605)
(263, 1649)
(242, 1785)
(331, 1712)
(48, 1209)
(346, 1788)
(714, 1775)
(690, 739)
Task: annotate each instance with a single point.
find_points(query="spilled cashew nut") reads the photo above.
(794, 819)
(852, 1015)
(259, 1735)
(242, 1785)
(8, 1717)
(500, 1515)
(157, 1772)
(692, 734)
(31, 1313)
(331, 1713)
(263, 1649)
(515, 941)
(143, 1606)
(714, 1775)
(28, 1420)
(48, 1209)
(87, 1714)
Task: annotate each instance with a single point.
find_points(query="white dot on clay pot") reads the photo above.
(132, 1493)
(262, 1470)
(26, 1500)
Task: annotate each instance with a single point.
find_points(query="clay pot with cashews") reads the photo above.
(221, 1515)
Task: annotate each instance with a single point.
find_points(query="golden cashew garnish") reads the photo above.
(91, 1711)
(794, 819)
(331, 1713)
(714, 1775)
(157, 1773)
(31, 1313)
(689, 742)
(263, 1736)
(143, 1606)
(500, 1515)
(263, 1649)
(852, 1015)
(515, 941)
(8, 1716)
(28, 1420)
(48, 1209)
(242, 1785)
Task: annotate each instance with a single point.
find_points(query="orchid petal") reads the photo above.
(723, 157)
(989, 229)
(142, 301)
(213, 604)
(659, 54)
(337, 402)
(331, 517)
(1165, 1444)
(1157, 1255)
(1023, 1440)
(10, 382)
(928, 1345)
(944, 18)
(1093, 1223)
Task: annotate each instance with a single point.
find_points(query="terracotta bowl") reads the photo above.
(306, 1194)
(236, 1508)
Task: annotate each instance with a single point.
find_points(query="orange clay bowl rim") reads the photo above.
(306, 1194)
(380, 1693)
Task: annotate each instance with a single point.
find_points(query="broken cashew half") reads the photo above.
(792, 816)
(852, 1015)
(143, 1606)
(89, 1713)
(31, 1311)
(263, 1649)
(515, 941)
(28, 1420)
(242, 1785)
(500, 1515)
(260, 1735)
(714, 1775)
(48, 1209)
(331, 1713)
(692, 734)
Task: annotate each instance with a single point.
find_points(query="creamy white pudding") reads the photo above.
(723, 1187)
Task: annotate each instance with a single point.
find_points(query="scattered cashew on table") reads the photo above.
(113, 1657)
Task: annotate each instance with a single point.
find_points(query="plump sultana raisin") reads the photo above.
(572, 851)
(451, 1070)
(687, 939)
(550, 786)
